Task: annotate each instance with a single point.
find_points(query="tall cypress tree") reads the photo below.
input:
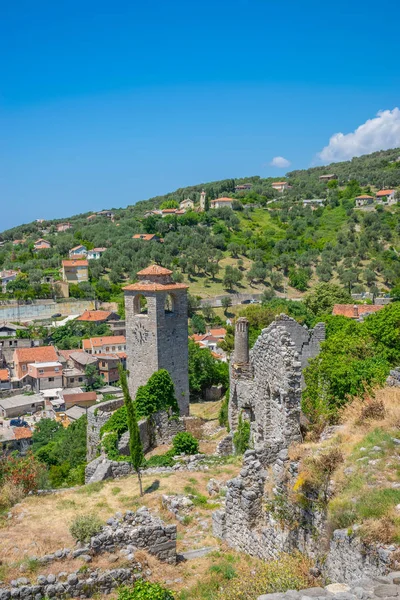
(135, 445)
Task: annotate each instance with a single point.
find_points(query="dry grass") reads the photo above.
(40, 525)
(206, 410)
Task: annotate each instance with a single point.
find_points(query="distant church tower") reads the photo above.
(202, 201)
(157, 331)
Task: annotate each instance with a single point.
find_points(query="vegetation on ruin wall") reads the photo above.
(255, 246)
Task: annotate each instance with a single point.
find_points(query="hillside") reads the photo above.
(269, 243)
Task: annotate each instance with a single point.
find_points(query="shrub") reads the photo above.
(84, 527)
(223, 412)
(110, 445)
(241, 437)
(25, 472)
(161, 460)
(118, 422)
(185, 443)
(144, 590)
(10, 494)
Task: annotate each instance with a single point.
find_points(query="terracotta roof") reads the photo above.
(91, 217)
(76, 247)
(4, 375)
(217, 356)
(196, 337)
(169, 210)
(218, 332)
(384, 193)
(98, 250)
(144, 236)
(94, 315)
(353, 311)
(155, 270)
(38, 354)
(67, 353)
(224, 199)
(97, 342)
(154, 287)
(80, 397)
(279, 182)
(22, 433)
(79, 256)
(75, 263)
(364, 196)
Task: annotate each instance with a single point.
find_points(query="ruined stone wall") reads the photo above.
(267, 390)
(154, 431)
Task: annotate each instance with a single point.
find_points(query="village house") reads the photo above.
(108, 366)
(16, 406)
(243, 186)
(75, 271)
(363, 200)
(5, 379)
(187, 204)
(147, 237)
(356, 311)
(77, 397)
(386, 196)
(15, 439)
(314, 203)
(222, 203)
(78, 251)
(326, 178)
(166, 212)
(6, 277)
(45, 375)
(98, 316)
(106, 213)
(22, 357)
(91, 217)
(280, 186)
(105, 344)
(18, 242)
(10, 330)
(210, 340)
(81, 359)
(73, 378)
(41, 245)
(63, 227)
(96, 253)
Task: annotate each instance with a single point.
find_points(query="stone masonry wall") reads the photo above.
(97, 416)
(267, 390)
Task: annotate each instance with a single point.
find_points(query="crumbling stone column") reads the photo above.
(241, 355)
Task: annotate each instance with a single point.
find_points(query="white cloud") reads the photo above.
(280, 162)
(380, 133)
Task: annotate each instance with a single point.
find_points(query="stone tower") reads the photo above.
(157, 331)
(241, 354)
(202, 201)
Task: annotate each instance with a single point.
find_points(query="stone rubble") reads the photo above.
(380, 588)
(179, 505)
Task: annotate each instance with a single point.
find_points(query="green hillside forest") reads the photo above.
(268, 242)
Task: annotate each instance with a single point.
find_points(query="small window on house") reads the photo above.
(113, 348)
(108, 349)
(51, 378)
(24, 367)
(41, 371)
(56, 369)
(80, 379)
(72, 380)
(119, 347)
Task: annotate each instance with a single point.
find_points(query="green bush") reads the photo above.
(144, 590)
(110, 445)
(161, 460)
(223, 412)
(84, 527)
(241, 437)
(118, 422)
(185, 443)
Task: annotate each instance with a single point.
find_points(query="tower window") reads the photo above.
(139, 305)
(169, 304)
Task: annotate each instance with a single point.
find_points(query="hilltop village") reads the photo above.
(199, 395)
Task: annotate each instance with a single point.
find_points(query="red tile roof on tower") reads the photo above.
(154, 287)
(353, 311)
(155, 270)
(38, 354)
(94, 315)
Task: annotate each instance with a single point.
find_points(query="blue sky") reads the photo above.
(103, 104)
